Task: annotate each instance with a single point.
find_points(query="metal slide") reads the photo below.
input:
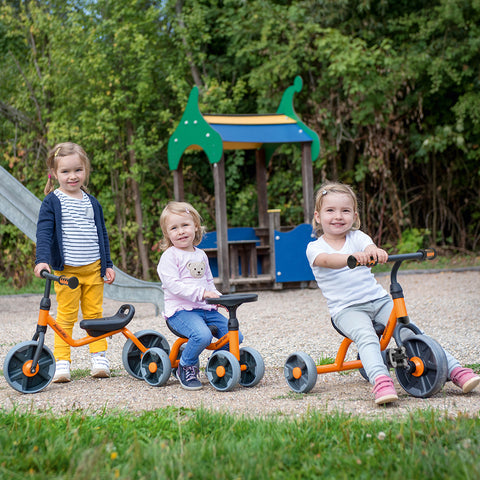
(21, 208)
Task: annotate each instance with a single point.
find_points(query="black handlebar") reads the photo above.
(71, 282)
(423, 254)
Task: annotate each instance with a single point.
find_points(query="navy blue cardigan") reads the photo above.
(49, 234)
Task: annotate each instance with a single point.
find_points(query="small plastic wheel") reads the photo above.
(155, 367)
(223, 370)
(255, 367)
(428, 367)
(300, 372)
(17, 366)
(132, 355)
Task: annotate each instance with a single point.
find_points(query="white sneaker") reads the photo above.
(100, 365)
(62, 372)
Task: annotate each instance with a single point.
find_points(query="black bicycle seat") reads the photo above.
(233, 299)
(99, 326)
(212, 328)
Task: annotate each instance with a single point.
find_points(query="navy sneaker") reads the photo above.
(188, 377)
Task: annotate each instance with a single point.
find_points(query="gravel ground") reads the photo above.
(445, 305)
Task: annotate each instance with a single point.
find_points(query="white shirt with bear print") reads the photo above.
(185, 276)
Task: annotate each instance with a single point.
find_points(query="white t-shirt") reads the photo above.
(79, 232)
(185, 276)
(344, 286)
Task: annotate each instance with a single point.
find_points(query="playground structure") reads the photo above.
(264, 255)
(21, 207)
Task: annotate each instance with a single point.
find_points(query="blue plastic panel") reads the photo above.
(291, 264)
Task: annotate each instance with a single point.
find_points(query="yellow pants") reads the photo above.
(88, 294)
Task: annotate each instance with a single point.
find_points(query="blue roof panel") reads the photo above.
(261, 133)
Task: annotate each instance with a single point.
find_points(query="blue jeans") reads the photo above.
(356, 323)
(193, 324)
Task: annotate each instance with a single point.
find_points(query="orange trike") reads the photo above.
(226, 368)
(419, 361)
(29, 367)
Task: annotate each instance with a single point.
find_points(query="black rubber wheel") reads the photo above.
(132, 355)
(17, 363)
(428, 368)
(223, 370)
(255, 367)
(155, 367)
(300, 372)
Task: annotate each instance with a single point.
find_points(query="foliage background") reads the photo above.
(391, 87)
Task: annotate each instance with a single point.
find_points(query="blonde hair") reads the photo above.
(180, 208)
(63, 150)
(334, 187)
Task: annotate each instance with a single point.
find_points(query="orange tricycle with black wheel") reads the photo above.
(419, 361)
(29, 367)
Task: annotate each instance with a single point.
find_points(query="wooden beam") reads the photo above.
(222, 225)
(307, 182)
(262, 188)
(178, 189)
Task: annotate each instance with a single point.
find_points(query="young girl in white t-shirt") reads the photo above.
(355, 300)
(187, 281)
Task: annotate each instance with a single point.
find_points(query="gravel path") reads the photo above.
(445, 305)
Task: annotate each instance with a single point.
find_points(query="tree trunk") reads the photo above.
(142, 251)
(193, 68)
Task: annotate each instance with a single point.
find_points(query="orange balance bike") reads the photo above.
(225, 368)
(419, 361)
(29, 367)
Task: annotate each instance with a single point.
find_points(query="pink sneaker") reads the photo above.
(465, 378)
(384, 390)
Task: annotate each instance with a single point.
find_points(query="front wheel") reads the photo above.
(223, 370)
(255, 367)
(427, 369)
(300, 372)
(17, 367)
(132, 355)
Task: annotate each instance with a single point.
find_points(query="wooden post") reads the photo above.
(178, 189)
(307, 181)
(273, 224)
(222, 225)
(262, 188)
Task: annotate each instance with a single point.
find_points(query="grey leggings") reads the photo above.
(356, 323)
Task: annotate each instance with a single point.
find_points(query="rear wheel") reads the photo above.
(132, 355)
(255, 367)
(300, 372)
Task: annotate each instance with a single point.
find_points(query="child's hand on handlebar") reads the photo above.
(376, 254)
(39, 267)
(371, 256)
(210, 294)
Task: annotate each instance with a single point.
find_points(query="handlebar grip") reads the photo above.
(352, 262)
(429, 253)
(71, 282)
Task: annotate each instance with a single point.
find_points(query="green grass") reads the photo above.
(180, 444)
